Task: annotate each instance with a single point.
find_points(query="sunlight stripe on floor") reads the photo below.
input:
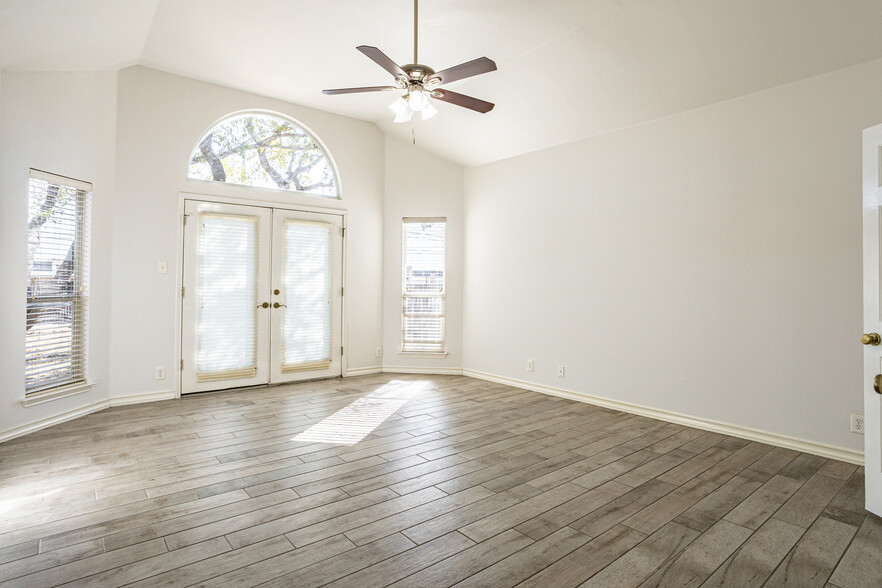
(350, 425)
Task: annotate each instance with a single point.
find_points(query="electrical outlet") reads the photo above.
(160, 372)
(529, 365)
(379, 352)
(560, 371)
(857, 423)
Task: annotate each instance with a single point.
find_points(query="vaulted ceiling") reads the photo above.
(568, 69)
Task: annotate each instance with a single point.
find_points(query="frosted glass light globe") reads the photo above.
(418, 100)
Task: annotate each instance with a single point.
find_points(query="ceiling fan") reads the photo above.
(421, 82)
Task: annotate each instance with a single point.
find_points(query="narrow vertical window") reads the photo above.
(58, 281)
(423, 285)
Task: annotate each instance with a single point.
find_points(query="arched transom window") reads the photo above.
(266, 151)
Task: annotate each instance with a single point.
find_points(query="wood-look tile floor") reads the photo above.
(468, 484)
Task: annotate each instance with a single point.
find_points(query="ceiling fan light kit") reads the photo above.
(416, 100)
(420, 82)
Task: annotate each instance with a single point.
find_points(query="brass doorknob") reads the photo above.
(871, 339)
(877, 383)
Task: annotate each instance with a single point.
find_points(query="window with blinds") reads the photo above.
(423, 285)
(58, 281)
(306, 334)
(227, 324)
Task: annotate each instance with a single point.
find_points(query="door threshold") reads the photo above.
(256, 386)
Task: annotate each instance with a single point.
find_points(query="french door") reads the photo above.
(262, 296)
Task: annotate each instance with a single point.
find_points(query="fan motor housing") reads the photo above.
(417, 71)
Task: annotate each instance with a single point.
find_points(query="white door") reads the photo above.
(262, 296)
(225, 334)
(306, 299)
(872, 218)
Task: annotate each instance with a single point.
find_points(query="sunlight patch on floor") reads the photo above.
(9, 505)
(350, 425)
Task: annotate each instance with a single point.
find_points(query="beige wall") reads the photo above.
(418, 184)
(131, 134)
(161, 117)
(707, 264)
(62, 123)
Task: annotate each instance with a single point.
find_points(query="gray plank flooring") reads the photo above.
(468, 483)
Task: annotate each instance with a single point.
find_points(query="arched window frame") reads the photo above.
(273, 114)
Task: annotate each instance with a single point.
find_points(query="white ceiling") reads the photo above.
(568, 69)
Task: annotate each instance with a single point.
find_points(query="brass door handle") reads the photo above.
(877, 383)
(264, 305)
(871, 339)
(277, 305)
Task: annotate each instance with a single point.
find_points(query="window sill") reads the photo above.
(56, 393)
(423, 354)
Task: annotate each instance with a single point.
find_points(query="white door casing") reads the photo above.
(235, 329)
(872, 220)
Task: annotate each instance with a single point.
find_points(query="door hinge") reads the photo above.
(182, 365)
(341, 291)
(182, 291)
(343, 232)
(341, 350)
(185, 219)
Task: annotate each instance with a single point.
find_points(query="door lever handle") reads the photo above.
(277, 305)
(877, 383)
(264, 305)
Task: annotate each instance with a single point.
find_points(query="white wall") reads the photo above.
(419, 184)
(161, 117)
(706, 264)
(62, 123)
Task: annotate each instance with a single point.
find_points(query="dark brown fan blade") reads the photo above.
(462, 100)
(464, 70)
(382, 60)
(358, 90)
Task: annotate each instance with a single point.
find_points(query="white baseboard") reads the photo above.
(141, 398)
(434, 371)
(803, 445)
(53, 420)
(364, 371)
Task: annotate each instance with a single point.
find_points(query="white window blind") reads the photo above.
(306, 340)
(227, 324)
(423, 284)
(58, 281)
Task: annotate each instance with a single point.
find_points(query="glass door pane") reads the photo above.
(228, 305)
(306, 323)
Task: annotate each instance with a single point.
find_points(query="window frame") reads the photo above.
(405, 349)
(37, 392)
